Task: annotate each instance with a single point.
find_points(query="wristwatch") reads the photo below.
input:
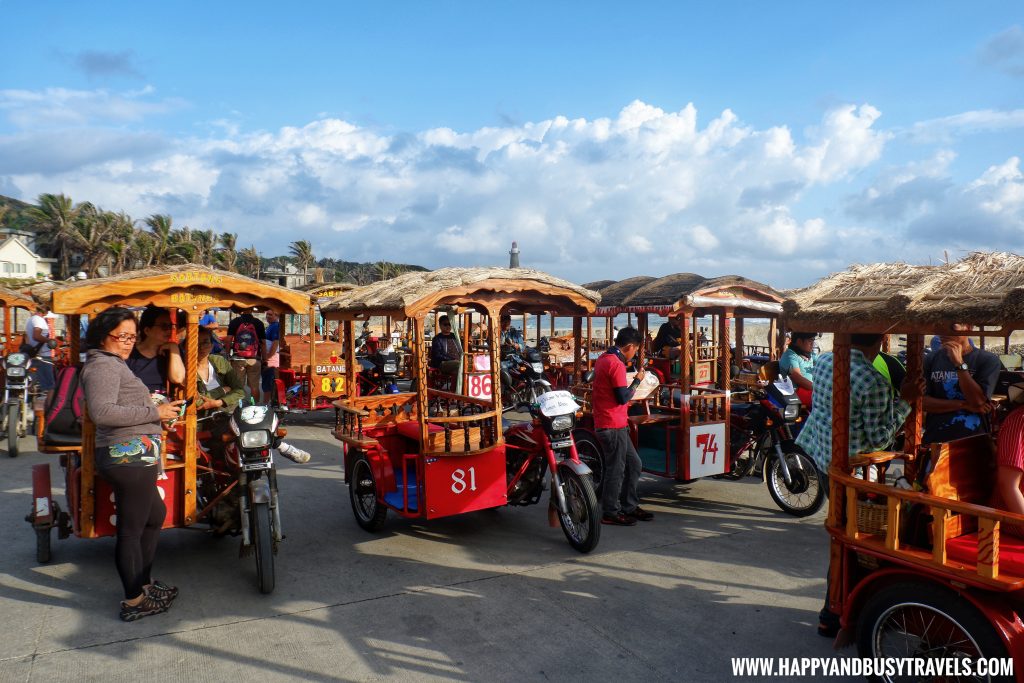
(962, 366)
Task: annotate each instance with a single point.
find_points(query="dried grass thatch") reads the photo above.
(10, 297)
(984, 288)
(614, 294)
(401, 295)
(225, 288)
(598, 285)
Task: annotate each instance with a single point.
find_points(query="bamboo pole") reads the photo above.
(191, 442)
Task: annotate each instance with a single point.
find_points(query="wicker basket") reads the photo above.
(872, 518)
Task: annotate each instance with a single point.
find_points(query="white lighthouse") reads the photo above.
(513, 256)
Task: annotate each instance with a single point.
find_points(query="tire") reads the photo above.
(591, 454)
(42, 546)
(23, 422)
(263, 540)
(582, 526)
(924, 620)
(362, 492)
(805, 494)
(13, 417)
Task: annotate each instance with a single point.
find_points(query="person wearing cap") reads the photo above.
(209, 321)
(797, 363)
(1009, 490)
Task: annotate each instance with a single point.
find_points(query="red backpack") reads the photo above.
(247, 342)
(63, 411)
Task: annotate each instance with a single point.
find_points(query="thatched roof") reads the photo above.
(598, 285)
(412, 293)
(614, 294)
(984, 288)
(9, 298)
(665, 291)
(186, 286)
(327, 290)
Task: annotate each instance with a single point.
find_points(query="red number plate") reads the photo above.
(456, 484)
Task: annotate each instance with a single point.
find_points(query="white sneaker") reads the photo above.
(294, 454)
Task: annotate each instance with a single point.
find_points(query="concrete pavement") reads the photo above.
(495, 596)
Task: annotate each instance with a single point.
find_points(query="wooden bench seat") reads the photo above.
(653, 418)
(354, 441)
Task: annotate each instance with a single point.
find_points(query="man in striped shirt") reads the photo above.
(876, 415)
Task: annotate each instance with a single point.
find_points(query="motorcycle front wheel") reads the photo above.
(23, 422)
(263, 540)
(582, 526)
(42, 546)
(13, 420)
(804, 494)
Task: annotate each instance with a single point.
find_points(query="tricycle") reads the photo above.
(931, 571)
(434, 452)
(226, 479)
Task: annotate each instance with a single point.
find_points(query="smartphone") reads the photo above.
(186, 404)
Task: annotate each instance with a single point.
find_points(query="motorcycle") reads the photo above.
(379, 373)
(546, 445)
(522, 377)
(253, 511)
(762, 444)
(16, 407)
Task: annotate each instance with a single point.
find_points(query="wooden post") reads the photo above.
(741, 350)
(467, 324)
(191, 443)
(494, 326)
(421, 376)
(725, 356)
(590, 336)
(608, 331)
(552, 324)
(87, 479)
(577, 345)
(351, 385)
(773, 332)
(840, 463)
(915, 368)
(74, 332)
(537, 331)
(313, 313)
(9, 310)
(642, 328)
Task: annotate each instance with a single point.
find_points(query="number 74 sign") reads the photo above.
(707, 454)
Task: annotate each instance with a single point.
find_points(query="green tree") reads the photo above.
(302, 252)
(160, 228)
(226, 256)
(54, 222)
(249, 262)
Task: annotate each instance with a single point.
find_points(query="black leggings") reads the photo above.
(140, 515)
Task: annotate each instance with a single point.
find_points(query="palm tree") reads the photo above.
(160, 228)
(54, 221)
(205, 243)
(180, 247)
(302, 252)
(249, 262)
(95, 228)
(384, 270)
(141, 249)
(226, 255)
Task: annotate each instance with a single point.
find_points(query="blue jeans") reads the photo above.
(620, 486)
(43, 374)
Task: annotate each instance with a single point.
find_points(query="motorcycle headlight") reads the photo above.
(562, 423)
(256, 439)
(16, 371)
(538, 368)
(791, 412)
(391, 368)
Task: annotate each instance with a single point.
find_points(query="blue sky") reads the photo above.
(778, 140)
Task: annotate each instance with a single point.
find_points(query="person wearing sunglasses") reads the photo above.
(127, 456)
(156, 359)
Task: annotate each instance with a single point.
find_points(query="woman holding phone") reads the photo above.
(128, 433)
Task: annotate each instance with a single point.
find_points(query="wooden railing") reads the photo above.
(707, 405)
(891, 543)
(468, 425)
(353, 415)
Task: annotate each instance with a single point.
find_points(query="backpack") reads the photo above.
(246, 343)
(63, 411)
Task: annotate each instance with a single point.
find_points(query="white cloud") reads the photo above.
(947, 128)
(646, 191)
(58, 107)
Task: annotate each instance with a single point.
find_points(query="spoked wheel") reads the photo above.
(13, 420)
(263, 539)
(42, 546)
(362, 490)
(582, 526)
(920, 620)
(23, 422)
(591, 454)
(804, 494)
(744, 455)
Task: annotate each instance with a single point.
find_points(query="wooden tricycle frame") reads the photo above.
(981, 290)
(188, 288)
(446, 443)
(704, 410)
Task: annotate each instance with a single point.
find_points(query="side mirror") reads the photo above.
(51, 343)
(588, 376)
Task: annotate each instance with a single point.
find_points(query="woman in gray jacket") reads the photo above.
(127, 453)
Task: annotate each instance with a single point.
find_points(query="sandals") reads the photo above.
(160, 591)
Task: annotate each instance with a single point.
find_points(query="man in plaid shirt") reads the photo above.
(876, 415)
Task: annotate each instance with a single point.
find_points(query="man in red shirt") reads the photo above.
(609, 404)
